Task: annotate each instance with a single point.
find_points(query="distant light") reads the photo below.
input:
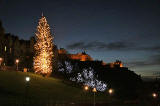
(110, 91)
(17, 60)
(27, 79)
(154, 95)
(86, 88)
(5, 48)
(94, 90)
(1, 59)
(25, 70)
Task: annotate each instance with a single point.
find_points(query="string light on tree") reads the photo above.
(43, 48)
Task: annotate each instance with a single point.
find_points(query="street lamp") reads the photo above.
(154, 95)
(94, 91)
(110, 91)
(27, 79)
(1, 59)
(86, 88)
(17, 61)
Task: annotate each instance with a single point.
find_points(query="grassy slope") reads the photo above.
(12, 84)
(12, 91)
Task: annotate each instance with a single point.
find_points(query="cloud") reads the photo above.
(138, 63)
(113, 46)
(155, 59)
(152, 60)
(78, 45)
(96, 45)
(120, 46)
(152, 48)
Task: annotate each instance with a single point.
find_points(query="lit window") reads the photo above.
(5, 48)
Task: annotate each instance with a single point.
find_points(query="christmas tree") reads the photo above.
(43, 48)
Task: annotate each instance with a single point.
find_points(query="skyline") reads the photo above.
(106, 30)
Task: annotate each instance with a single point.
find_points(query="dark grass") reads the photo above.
(42, 91)
(13, 85)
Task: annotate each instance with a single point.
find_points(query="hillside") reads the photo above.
(43, 91)
(13, 86)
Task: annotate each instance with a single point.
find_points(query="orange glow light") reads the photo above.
(86, 88)
(154, 95)
(1, 59)
(110, 91)
(17, 60)
(94, 90)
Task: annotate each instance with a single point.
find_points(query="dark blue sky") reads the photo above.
(107, 29)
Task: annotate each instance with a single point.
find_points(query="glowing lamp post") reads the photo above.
(17, 61)
(27, 79)
(86, 88)
(154, 95)
(94, 91)
(1, 59)
(110, 91)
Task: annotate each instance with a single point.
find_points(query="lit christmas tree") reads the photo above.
(43, 48)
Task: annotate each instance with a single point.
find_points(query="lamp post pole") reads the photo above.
(17, 61)
(1, 59)
(94, 99)
(155, 96)
(27, 86)
(86, 88)
(110, 91)
(94, 91)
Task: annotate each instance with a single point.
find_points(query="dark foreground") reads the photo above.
(15, 102)
(80, 104)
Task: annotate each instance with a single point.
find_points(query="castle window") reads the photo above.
(5, 48)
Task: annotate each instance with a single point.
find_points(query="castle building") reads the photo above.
(115, 64)
(79, 56)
